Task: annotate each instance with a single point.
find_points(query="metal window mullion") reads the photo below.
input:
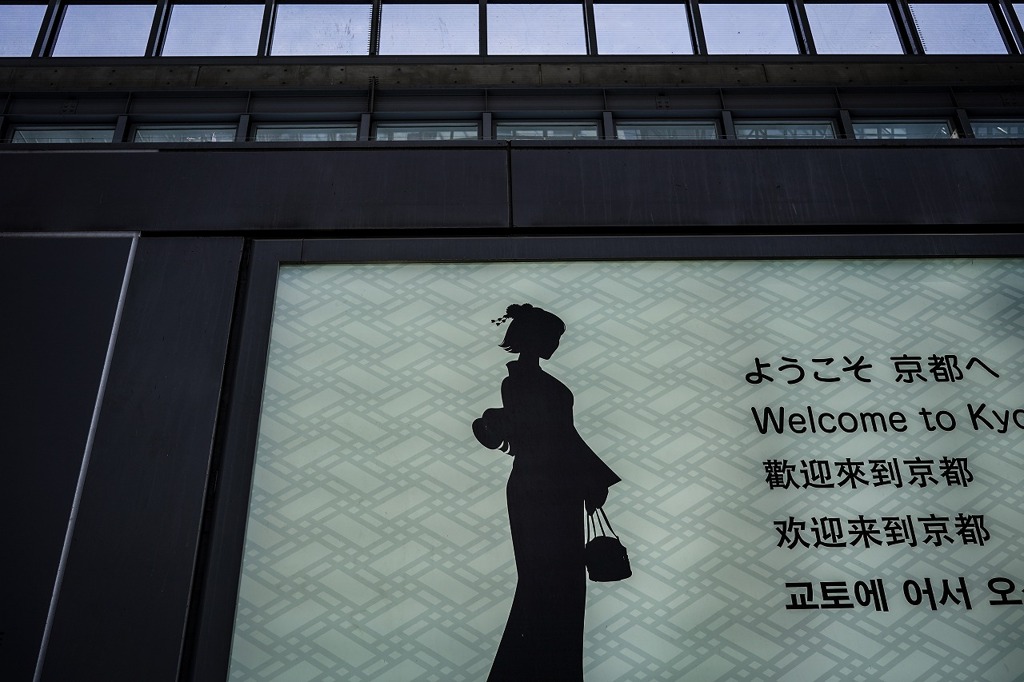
(483, 28)
(1009, 28)
(4, 136)
(728, 127)
(802, 27)
(48, 29)
(266, 28)
(590, 26)
(1013, 21)
(607, 125)
(700, 44)
(846, 124)
(487, 126)
(156, 33)
(244, 125)
(120, 128)
(906, 28)
(375, 28)
(963, 124)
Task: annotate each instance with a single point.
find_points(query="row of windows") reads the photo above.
(508, 28)
(890, 129)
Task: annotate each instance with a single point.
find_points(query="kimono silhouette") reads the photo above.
(555, 476)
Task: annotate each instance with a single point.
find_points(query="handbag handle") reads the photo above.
(602, 521)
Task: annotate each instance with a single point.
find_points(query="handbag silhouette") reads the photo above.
(604, 554)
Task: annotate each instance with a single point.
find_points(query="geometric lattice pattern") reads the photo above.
(378, 548)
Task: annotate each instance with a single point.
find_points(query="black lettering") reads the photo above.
(769, 418)
(976, 417)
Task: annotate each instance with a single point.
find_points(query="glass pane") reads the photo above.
(378, 545)
(163, 134)
(666, 130)
(748, 29)
(19, 26)
(948, 28)
(53, 134)
(104, 31)
(535, 29)
(1001, 129)
(310, 133)
(321, 29)
(853, 29)
(430, 29)
(902, 130)
(402, 132)
(546, 131)
(642, 29)
(213, 30)
(784, 130)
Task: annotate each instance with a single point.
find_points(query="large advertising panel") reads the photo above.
(816, 467)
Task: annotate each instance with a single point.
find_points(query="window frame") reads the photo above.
(298, 125)
(164, 28)
(788, 121)
(681, 122)
(1006, 14)
(44, 19)
(396, 123)
(601, 134)
(214, 126)
(583, 27)
(270, 20)
(219, 569)
(796, 22)
(62, 18)
(481, 27)
(999, 21)
(686, 6)
(14, 128)
(895, 121)
(901, 36)
(991, 120)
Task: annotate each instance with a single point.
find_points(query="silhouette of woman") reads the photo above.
(555, 476)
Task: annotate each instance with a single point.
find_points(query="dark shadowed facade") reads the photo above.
(148, 200)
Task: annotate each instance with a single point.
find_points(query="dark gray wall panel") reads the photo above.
(255, 188)
(122, 607)
(599, 185)
(218, 571)
(742, 185)
(60, 299)
(336, 72)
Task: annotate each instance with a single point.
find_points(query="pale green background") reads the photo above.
(378, 549)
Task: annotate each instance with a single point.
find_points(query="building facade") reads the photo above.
(373, 182)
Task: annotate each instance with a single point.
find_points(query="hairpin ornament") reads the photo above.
(500, 321)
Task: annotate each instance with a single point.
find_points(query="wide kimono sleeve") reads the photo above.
(538, 418)
(594, 471)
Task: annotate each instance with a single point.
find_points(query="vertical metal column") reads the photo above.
(375, 10)
(48, 35)
(266, 28)
(156, 34)
(1009, 26)
(589, 25)
(483, 28)
(802, 27)
(909, 36)
(700, 45)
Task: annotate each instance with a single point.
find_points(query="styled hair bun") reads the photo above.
(537, 329)
(513, 311)
(517, 309)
